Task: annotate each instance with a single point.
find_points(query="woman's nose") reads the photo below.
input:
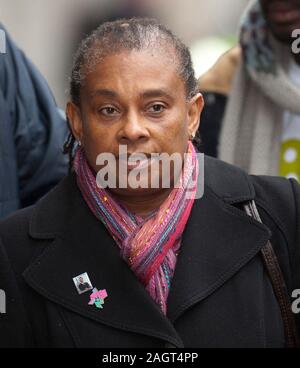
(133, 129)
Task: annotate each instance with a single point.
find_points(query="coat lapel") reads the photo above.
(219, 239)
(84, 245)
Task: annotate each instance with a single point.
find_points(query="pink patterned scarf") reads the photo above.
(149, 246)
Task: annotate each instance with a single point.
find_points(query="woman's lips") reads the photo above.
(136, 162)
(140, 164)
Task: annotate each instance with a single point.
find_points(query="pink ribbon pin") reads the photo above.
(97, 297)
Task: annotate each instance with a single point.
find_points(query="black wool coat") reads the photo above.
(220, 296)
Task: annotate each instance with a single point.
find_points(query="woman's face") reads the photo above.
(135, 99)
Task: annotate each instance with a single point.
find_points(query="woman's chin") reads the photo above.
(139, 191)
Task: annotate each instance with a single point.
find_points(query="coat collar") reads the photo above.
(211, 252)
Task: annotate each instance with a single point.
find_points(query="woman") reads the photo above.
(168, 269)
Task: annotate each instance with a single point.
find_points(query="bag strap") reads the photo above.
(278, 283)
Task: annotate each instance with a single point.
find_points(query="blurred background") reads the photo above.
(49, 30)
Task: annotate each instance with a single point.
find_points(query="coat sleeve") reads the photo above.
(15, 329)
(211, 122)
(296, 255)
(38, 127)
(278, 200)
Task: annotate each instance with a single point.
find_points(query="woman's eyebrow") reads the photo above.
(157, 93)
(151, 93)
(103, 92)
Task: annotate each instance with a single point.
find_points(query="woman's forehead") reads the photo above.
(145, 71)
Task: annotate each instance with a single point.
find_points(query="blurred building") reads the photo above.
(48, 30)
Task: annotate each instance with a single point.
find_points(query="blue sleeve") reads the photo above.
(35, 128)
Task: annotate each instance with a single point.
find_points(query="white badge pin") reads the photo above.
(82, 283)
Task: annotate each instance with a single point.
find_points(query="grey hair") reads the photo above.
(126, 35)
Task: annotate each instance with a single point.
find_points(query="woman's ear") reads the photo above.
(75, 120)
(195, 108)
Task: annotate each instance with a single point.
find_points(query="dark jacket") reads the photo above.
(220, 296)
(211, 122)
(32, 132)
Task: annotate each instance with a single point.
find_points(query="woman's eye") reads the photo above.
(157, 108)
(108, 111)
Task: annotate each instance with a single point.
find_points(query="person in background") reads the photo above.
(260, 130)
(215, 87)
(32, 132)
